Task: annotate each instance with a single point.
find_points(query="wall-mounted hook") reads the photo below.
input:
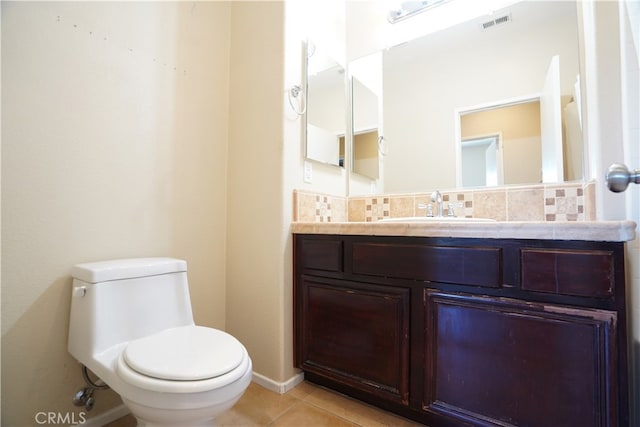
(294, 92)
(382, 145)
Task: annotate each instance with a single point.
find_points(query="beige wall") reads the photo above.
(114, 130)
(365, 154)
(257, 295)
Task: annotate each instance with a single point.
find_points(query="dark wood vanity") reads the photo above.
(466, 331)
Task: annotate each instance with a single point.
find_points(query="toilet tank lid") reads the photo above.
(130, 268)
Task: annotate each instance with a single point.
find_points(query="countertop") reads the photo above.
(610, 231)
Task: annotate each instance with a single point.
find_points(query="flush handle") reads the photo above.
(79, 291)
(619, 176)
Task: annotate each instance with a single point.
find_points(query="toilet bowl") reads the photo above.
(131, 324)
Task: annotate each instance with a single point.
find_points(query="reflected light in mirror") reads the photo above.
(448, 14)
(406, 9)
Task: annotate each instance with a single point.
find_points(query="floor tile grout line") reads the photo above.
(325, 410)
(353, 401)
(342, 396)
(298, 402)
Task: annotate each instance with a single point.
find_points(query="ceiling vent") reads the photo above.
(497, 21)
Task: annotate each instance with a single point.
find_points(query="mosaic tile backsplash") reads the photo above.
(558, 202)
(314, 207)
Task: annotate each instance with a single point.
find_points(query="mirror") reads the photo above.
(366, 90)
(430, 83)
(501, 145)
(326, 107)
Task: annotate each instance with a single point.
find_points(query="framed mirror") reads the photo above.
(431, 81)
(326, 103)
(366, 88)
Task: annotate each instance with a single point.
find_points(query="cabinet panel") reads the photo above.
(466, 332)
(321, 254)
(357, 333)
(568, 272)
(476, 266)
(492, 361)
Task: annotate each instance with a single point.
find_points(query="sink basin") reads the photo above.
(436, 219)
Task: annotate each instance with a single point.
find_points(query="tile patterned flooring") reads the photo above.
(307, 405)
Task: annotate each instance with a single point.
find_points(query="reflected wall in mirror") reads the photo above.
(482, 161)
(501, 145)
(540, 138)
(326, 107)
(366, 89)
(428, 81)
(365, 130)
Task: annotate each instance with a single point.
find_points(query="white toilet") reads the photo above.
(131, 324)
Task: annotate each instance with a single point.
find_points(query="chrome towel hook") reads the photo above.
(294, 92)
(382, 145)
(618, 177)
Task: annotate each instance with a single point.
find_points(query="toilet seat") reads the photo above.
(188, 353)
(183, 360)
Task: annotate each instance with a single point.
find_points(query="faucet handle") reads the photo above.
(451, 212)
(428, 207)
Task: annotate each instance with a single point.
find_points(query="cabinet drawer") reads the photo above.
(321, 254)
(568, 271)
(475, 266)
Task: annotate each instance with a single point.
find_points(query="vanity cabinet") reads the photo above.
(466, 332)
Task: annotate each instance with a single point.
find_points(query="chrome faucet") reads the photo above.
(436, 196)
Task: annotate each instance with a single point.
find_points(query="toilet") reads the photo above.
(131, 324)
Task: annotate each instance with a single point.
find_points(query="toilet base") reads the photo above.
(197, 417)
(211, 423)
(154, 417)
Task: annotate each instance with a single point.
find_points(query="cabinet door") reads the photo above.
(357, 334)
(492, 361)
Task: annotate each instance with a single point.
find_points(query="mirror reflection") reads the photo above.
(366, 95)
(365, 130)
(326, 107)
(501, 145)
(434, 83)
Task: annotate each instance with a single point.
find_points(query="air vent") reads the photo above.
(497, 21)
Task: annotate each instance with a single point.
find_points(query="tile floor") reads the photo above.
(307, 405)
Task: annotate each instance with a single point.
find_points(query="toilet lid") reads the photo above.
(187, 353)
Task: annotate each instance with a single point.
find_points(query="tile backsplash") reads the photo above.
(314, 207)
(557, 202)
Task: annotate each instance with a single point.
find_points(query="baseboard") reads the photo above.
(276, 386)
(107, 417)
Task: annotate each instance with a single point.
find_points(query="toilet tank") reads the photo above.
(117, 301)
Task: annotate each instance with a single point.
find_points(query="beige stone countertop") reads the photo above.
(609, 231)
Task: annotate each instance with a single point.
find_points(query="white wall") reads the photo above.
(613, 131)
(630, 67)
(114, 130)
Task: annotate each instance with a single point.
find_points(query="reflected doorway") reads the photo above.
(482, 161)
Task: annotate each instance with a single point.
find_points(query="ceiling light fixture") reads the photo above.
(407, 9)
